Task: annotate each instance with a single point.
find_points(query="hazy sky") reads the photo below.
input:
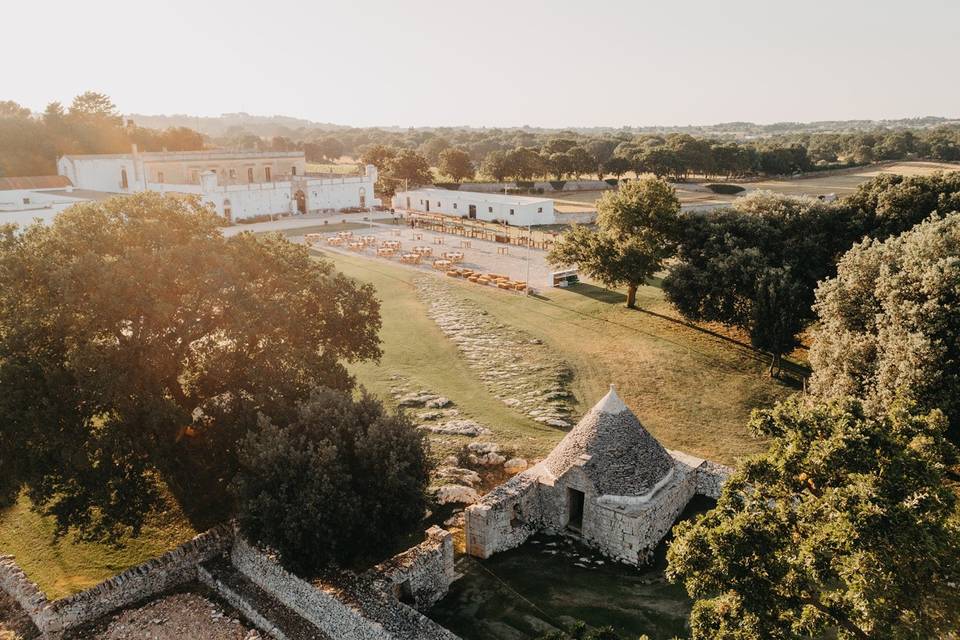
(542, 63)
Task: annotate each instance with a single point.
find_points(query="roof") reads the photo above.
(29, 183)
(156, 156)
(479, 195)
(613, 449)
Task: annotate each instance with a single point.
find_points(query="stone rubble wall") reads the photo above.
(426, 568)
(506, 516)
(155, 576)
(711, 477)
(240, 603)
(323, 609)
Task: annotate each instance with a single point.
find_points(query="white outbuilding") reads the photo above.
(491, 207)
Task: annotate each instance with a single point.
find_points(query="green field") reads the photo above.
(691, 388)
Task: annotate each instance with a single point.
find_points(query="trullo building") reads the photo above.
(609, 482)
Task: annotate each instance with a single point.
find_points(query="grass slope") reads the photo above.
(691, 388)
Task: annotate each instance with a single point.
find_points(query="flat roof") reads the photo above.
(481, 195)
(30, 183)
(191, 155)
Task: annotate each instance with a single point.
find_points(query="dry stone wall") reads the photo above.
(425, 571)
(137, 583)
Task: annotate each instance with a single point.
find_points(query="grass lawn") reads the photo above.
(65, 566)
(693, 389)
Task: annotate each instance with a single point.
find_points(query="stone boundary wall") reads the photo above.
(325, 610)
(154, 576)
(426, 569)
(239, 603)
(711, 476)
(505, 517)
(27, 594)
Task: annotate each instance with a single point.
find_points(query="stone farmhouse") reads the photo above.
(238, 184)
(608, 483)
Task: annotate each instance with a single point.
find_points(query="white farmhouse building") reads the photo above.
(26, 199)
(238, 184)
(517, 210)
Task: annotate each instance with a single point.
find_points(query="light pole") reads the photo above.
(529, 242)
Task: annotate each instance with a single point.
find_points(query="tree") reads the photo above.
(92, 106)
(581, 162)
(755, 265)
(523, 164)
(379, 156)
(333, 482)
(432, 148)
(616, 166)
(889, 322)
(411, 168)
(330, 148)
(843, 528)
(456, 163)
(495, 165)
(181, 139)
(137, 345)
(601, 150)
(637, 226)
(890, 204)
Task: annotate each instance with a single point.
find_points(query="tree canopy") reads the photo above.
(844, 526)
(889, 322)
(636, 227)
(332, 483)
(456, 163)
(137, 345)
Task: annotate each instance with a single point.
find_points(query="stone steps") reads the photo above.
(257, 605)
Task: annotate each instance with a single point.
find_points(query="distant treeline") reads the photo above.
(30, 144)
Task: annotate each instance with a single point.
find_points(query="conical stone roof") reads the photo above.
(616, 453)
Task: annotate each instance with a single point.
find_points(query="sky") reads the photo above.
(494, 63)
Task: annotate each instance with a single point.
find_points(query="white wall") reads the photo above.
(101, 174)
(489, 207)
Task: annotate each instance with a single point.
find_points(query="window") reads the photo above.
(233, 174)
(511, 211)
(160, 177)
(489, 209)
(539, 209)
(266, 174)
(454, 205)
(123, 179)
(194, 176)
(250, 174)
(438, 204)
(293, 170)
(26, 201)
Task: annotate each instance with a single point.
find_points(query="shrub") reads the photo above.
(725, 188)
(558, 184)
(452, 186)
(331, 481)
(525, 184)
(612, 181)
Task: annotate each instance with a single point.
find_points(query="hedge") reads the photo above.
(524, 184)
(612, 181)
(725, 188)
(452, 186)
(558, 184)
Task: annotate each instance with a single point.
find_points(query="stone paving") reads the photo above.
(516, 368)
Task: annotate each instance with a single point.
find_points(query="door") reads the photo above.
(301, 201)
(575, 509)
(473, 211)
(428, 204)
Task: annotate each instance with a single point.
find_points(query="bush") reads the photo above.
(558, 184)
(525, 184)
(725, 188)
(612, 181)
(332, 481)
(452, 186)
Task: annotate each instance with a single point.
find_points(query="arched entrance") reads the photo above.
(301, 199)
